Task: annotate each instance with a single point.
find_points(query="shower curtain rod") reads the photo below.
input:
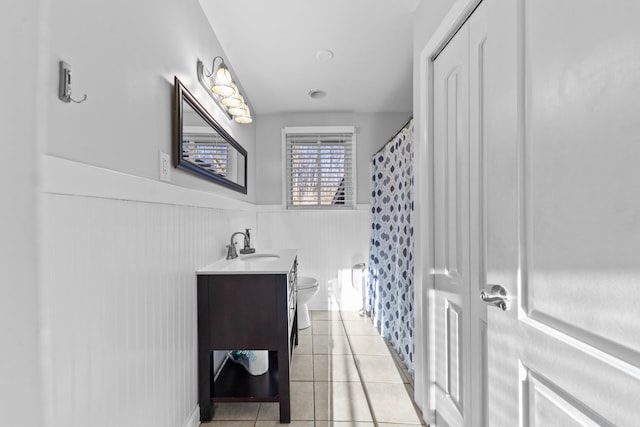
(394, 135)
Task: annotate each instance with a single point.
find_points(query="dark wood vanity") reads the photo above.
(252, 308)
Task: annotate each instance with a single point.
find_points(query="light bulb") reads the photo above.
(240, 110)
(222, 83)
(244, 118)
(233, 100)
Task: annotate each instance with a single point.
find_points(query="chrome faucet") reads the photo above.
(231, 247)
(231, 252)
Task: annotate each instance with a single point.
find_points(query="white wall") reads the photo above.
(119, 294)
(373, 130)
(124, 56)
(329, 244)
(20, 118)
(115, 251)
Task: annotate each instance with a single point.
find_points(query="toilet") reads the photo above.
(307, 288)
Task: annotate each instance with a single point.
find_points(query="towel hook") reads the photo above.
(65, 85)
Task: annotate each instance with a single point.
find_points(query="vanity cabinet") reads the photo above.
(250, 309)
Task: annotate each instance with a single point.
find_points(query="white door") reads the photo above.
(553, 199)
(563, 220)
(451, 232)
(459, 317)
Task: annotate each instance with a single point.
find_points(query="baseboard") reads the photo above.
(194, 418)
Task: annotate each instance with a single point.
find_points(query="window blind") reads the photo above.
(319, 170)
(208, 151)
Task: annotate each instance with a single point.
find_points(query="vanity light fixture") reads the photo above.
(220, 86)
(222, 82)
(239, 110)
(244, 118)
(233, 100)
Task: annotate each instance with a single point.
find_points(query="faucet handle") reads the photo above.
(247, 238)
(231, 251)
(247, 249)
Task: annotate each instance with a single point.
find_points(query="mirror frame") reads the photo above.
(181, 95)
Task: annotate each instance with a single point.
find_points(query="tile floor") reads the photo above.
(343, 374)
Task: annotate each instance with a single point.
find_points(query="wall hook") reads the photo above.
(65, 84)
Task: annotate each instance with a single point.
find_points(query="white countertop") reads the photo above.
(244, 264)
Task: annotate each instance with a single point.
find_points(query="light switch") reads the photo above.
(165, 167)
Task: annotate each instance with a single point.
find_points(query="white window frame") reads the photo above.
(319, 130)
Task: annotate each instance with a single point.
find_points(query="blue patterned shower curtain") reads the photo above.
(390, 279)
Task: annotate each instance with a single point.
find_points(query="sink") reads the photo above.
(265, 261)
(260, 257)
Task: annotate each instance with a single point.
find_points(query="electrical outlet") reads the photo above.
(165, 167)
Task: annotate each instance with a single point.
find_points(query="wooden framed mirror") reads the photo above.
(202, 146)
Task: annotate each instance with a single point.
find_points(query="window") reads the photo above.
(206, 149)
(319, 167)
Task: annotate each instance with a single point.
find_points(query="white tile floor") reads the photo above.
(343, 374)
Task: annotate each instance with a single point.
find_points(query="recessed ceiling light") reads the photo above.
(317, 94)
(324, 55)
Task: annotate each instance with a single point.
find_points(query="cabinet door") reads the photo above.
(248, 311)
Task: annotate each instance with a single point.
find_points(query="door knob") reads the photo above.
(497, 295)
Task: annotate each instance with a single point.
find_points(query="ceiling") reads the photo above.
(272, 49)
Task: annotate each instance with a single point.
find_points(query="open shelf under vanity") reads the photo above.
(234, 384)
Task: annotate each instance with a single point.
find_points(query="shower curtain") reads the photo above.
(390, 279)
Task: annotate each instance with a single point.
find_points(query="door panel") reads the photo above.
(563, 212)
(478, 43)
(499, 256)
(582, 211)
(548, 404)
(451, 220)
(454, 163)
(459, 176)
(584, 224)
(602, 389)
(454, 353)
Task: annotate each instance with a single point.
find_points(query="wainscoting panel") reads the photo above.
(119, 307)
(329, 244)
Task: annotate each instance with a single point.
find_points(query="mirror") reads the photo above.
(202, 146)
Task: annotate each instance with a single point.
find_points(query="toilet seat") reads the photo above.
(306, 282)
